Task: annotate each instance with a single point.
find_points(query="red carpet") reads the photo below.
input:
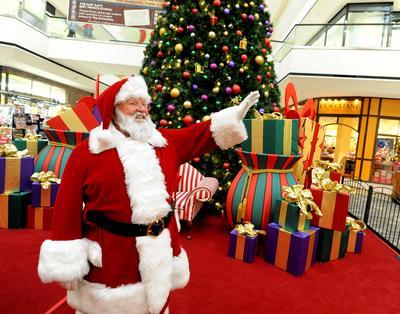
(367, 283)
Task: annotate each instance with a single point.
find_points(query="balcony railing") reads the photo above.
(341, 35)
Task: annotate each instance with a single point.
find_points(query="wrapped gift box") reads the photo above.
(288, 216)
(334, 207)
(356, 239)
(15, 173)
(39, 218)
(291, 251)
(271, 136)
(242, 247)
(34, 147)
(332, 244)
(44, 197)
(13, 209)
(80, 118)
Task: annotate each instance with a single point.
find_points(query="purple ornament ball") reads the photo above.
(262, 7)
(152, 62)
(268, 34)
(262, 110)
(226, 11)
(191, 28)
(204, 97)
(213, 66)
(170, 107)
(231, 64)
(266, 22)
(251, 18)
(194, 87)
(228, 90)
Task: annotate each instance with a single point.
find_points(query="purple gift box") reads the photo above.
(291, 251)
(44, 197)
(356, 239)
(15, 173)
(242, 247)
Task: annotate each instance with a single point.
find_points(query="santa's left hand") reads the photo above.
(247, 103)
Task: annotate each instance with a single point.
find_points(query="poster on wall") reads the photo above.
(137, 13)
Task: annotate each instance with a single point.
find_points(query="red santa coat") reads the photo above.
(131, 182)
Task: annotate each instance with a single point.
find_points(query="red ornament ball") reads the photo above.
(180, 30)
(226, 165)
(259, 78)
(276, 109)
(225, 49)
(159, 88)
(267, 41)
(195, 11)
(244, 16)
(199, 46)
(174, 7)
(236, 89)
(216, 3)
(196, 160)
(268, 74)
(152, 33)
(160, 54)
(188, 120)
(239, 32)
(163, 122)
(244, 57)
(264, 51)
(186, 74)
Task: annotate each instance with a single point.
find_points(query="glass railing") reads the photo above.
(58, 27)
(341, 35)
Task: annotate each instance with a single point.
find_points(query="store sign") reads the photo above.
(341, 106)
(137, 13)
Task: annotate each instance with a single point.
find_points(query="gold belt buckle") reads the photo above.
(155, 228)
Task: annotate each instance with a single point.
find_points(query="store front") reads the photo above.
(364, 135)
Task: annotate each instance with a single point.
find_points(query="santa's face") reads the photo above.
(135, 107)
(133, 117)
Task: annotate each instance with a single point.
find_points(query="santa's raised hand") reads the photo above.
(247, 103)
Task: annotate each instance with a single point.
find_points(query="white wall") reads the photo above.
(9, 7)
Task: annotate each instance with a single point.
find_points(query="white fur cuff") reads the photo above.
(67, 260)
(227, 129)
(180, 271)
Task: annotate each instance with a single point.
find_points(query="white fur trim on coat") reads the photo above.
(180, 270)
(135, 87)
(227, 129)
(101, 140)
(67, 260)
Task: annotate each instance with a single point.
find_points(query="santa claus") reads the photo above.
(120, 251)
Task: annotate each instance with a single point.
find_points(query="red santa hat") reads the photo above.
(132, 87)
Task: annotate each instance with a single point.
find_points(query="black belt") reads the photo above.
(126, 229)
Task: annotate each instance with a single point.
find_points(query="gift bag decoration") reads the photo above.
(243, 243)
(293, 252)
(356, 235)
(253, 193)
(13, 209)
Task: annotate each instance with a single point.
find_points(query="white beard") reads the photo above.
(139, 130)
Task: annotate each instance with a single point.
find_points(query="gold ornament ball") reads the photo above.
(225, 33)
(252, 4)
(211, 35)
(266, 94)
(175, 92)
(257, 16)
(259, 60)
(145, 70)
(221, 65)
(215, 90)
(245, 5)
(186, 62)
(162, 31)
(205, 118)
(181, 19)
(241, 70)
(187, 104)
(178, 48)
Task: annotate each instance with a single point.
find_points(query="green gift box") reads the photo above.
(274, 136)
(13, 209)
(34, 147)
(332, 244)
(288, 216)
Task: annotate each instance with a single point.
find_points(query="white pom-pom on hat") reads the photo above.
(134, 87)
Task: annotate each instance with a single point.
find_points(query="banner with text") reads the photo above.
(136, 13)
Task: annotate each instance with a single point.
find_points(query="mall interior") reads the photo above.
(343, 54)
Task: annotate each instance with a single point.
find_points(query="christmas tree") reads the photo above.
(205, 56)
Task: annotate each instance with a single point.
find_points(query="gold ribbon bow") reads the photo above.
(45, 178)
(247, 229)
(267, 116)
(9, 150)
(326, 165)
(302, 197)
(32, 137)
(327, 184)
(235, 101)
(356, 225)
